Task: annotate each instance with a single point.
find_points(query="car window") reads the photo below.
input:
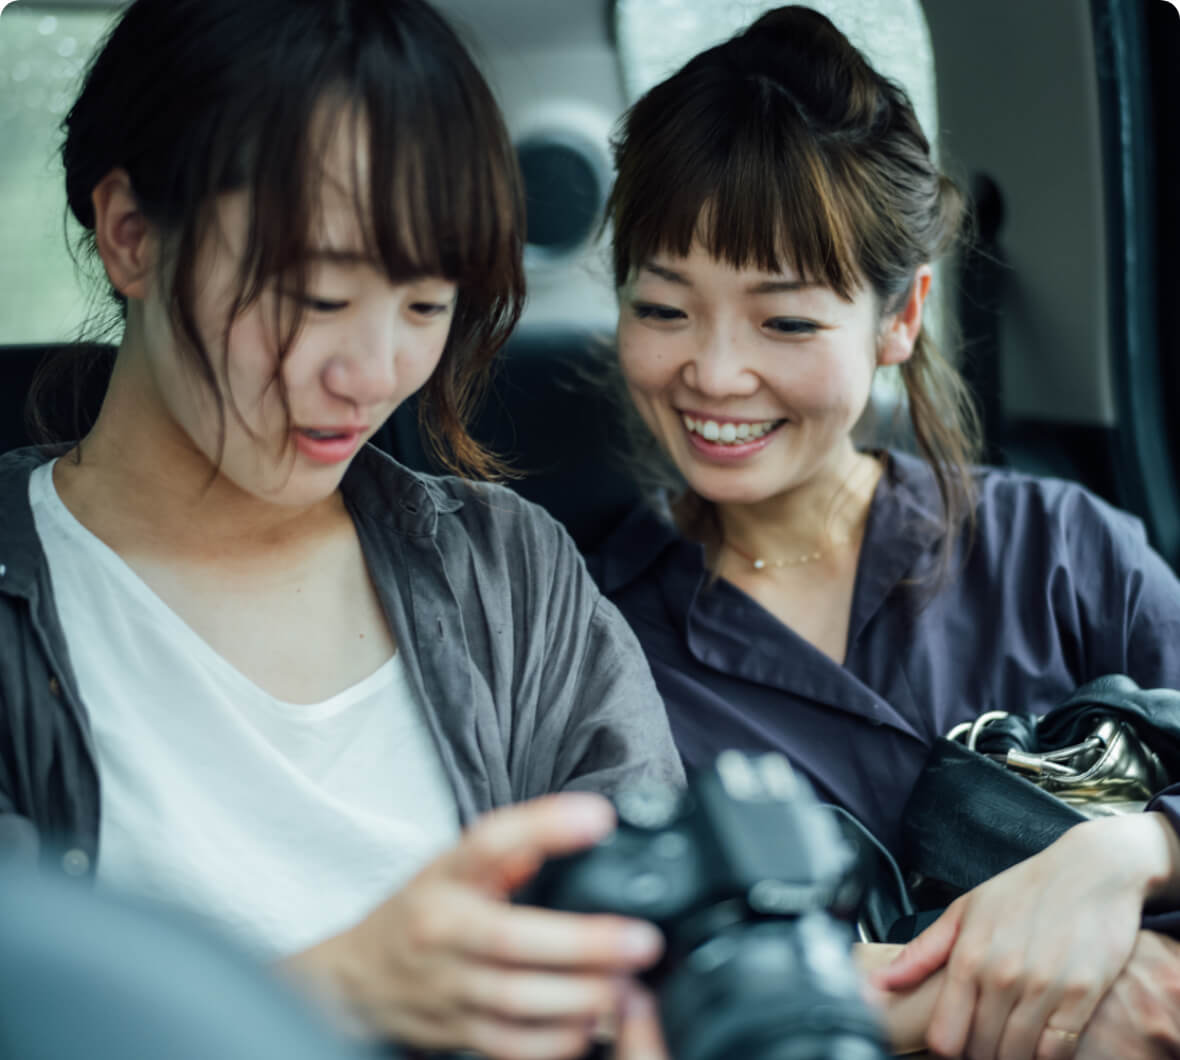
(43, 50)
(656, 37)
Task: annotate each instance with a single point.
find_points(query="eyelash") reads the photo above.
(792, 326)
(317, 305)
(667, 314)
(430, 309)
(325, 305)
(662, 313)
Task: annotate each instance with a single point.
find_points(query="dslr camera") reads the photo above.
(747, 875)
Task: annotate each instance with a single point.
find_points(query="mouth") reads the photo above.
(327, 445)
(728, 433)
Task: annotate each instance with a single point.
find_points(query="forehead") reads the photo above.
(345, 219)
(340, 200)
(701, 267)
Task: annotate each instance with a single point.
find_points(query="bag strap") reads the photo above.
(969, 818)
(886, 899)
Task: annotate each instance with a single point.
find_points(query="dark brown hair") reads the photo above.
(782, 146)
(195, 98)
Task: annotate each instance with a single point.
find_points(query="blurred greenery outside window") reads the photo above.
(43, 53)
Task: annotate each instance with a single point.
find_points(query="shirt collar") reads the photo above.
(904, 524)
(634, 546)
(406, 501)
(21, 555)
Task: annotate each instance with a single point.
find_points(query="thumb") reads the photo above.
(922, 957)
(640, 1035)
(504, 848)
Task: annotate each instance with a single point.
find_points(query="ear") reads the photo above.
(900, 331)
(123, 235)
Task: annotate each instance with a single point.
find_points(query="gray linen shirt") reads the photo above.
(533, 682)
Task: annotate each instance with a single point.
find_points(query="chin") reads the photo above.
(733, 492)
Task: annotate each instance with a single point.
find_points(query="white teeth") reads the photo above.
(728, 433)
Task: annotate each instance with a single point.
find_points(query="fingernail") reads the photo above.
(638, 1003)
(642, 941)
(588, 812)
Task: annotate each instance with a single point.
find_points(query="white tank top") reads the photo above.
(279, 823)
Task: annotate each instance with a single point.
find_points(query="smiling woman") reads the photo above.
(775, 219)
(251, 667)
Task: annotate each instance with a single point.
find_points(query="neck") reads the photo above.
(823, 514)
(142, 483)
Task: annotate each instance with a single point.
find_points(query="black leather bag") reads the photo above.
(972, 814)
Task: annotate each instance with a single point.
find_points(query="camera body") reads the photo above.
(745, 875)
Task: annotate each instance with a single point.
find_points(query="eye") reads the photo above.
(791, 326)
(653, 311)
(430, 309)
(316, 305)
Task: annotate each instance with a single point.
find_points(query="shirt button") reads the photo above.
(55, 686)
(75, 862)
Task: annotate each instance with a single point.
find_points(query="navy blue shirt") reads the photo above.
(1057, 588)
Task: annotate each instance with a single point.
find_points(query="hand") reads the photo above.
(1139, 1019)
(448, 963)
(1031, 953)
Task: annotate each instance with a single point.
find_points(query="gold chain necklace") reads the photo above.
(758, 563)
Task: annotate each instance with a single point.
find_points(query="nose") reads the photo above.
(362, 370)
(720, 368)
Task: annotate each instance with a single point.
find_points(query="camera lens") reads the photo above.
(770, 990)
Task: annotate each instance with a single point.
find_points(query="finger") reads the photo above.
(640, 1034)
(1028, 1018)
(998, 995)
(504, 1040)
(1061, 1029)
(505, 847)
(950, 1022)
(923, 956)
(526, 995)
(545, 938)
(1056, 1043)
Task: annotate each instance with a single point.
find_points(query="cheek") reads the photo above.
(648, 363)
(833, 386)
(253, 364)
(418, 361)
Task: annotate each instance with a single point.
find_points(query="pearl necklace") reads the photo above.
(758, 563)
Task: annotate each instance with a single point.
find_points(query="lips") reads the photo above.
(726, 440)
(327, 445)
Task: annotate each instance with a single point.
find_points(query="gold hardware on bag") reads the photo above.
(1111, 772)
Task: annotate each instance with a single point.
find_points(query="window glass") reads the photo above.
(43, 51)
(656, 37)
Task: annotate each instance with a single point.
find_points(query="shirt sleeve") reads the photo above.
(1131, 585)
(1129, 598)
(600, 724)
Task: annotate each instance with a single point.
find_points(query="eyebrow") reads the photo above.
(340, 256)
(762, 287)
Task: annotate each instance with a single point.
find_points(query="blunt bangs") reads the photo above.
(439, 196)
(733, 165)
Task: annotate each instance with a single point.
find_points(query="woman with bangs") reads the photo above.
(252, 667)
(774, 220)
